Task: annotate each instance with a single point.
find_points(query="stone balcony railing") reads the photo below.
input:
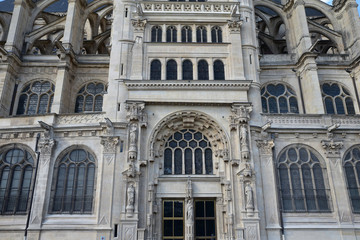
(189, 7)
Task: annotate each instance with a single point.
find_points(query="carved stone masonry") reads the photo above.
(109, 144)
(332, 148)
(135, 112)
(244, 140)
(234, 26)
(139, 24)
(130, 199)
(265, 146)
(133, 141)
(240, 114)
(46, 145)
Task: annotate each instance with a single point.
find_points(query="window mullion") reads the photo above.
(291, 189)
(302, 187)
(74, 190)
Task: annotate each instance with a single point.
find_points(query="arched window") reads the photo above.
(219, 73)
(171, 34)
(303, 181)
(278, 98)
(216, 35)
(90, 98)
(187, 70)
(171, 70)
(203, 70)
(201, 34)
(156, 34)
(186, 34)
(36, 98)
(337, 99)
(16, 174)
(352, 172)
(155, 70)
(73, 183)
(188, 152)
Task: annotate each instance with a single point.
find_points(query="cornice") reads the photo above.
(183, 84)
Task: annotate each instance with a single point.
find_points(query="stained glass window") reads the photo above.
(187, 70)
(216, 35)
(303, 181)
(16, 174)
(36, 98)
(171, 34)
(203, 70)
(171, 70)
(156, 34)
(278, 98)
(188, 152)
(155, 70)
(186, 34)
(90, 98)
(74, 182)
(219, 73)
(337, 99)
(201, 34)
(352, 171)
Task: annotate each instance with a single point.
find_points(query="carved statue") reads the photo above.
(249, 197)
(244, 141)
(189, 189)
(133, 142)
(130, 198)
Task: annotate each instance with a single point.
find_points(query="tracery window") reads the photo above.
(36, 98)
(303, 181)
(216, 34)
(352, 171)
(155, 70)
(278, 98)
(219, 73)
(171, 70)
(201, 34)
(90, 98)
(16, 174)
(203, 70)
(188, 152)
(73, 182)
(171, 34)
(186, 34)
(187, 70)
(337, 99)
(156, 34)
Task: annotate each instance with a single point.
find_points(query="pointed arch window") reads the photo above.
(337, 99)
(171, 70)
(90, 98)
(36, 98)
(203, 70)
(155, 70)
(216, 34)
(171, 34)
(352, 171)
(186, 34)
(219, 73)
(187, 70)
(188, 152)
(201, 34)
(16, 178)
(73, 183)
(303, 181)
(156, 34)
(278, 98)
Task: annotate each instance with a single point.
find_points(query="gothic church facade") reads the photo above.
(192, 119)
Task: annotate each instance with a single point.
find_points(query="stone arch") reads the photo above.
(193, 120)
(324, 9)
(68, 149)
(7, 146)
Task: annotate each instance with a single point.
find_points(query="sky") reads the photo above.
(327, 1)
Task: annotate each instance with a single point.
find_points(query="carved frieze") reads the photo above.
(110, 144)
(234, 26)
(265, 146)
(139, 24)
(332, 148)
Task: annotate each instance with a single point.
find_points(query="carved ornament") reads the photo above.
(240, 114)
(109, 144)
(46, 145)
(234, 26)
(332, 148)
(265, 146)
(135, 112)
(139, 24)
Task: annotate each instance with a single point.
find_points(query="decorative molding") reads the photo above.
(196, 84)
(79, 118)
(187, 7)
(109, 144)
(265, 146)
(46, 145)
(234, 26)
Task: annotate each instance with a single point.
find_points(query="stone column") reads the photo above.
(236, 58)
(340, 196)
(137, 65)
(107, 182)
(270, 192)
(43, 186)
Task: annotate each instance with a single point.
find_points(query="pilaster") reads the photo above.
(235, 59)
(138, 49)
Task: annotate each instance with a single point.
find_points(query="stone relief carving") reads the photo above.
(78, 119)
(249, 197)
(234, 26)
(133, 142)
(139, 24)
(135, 112)
(251, 233)
(190, 210)
(265, 146)
(130, 199)
(129, 233)
(240, 114)
(109, 144)
(245, 152)
(46, 145)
